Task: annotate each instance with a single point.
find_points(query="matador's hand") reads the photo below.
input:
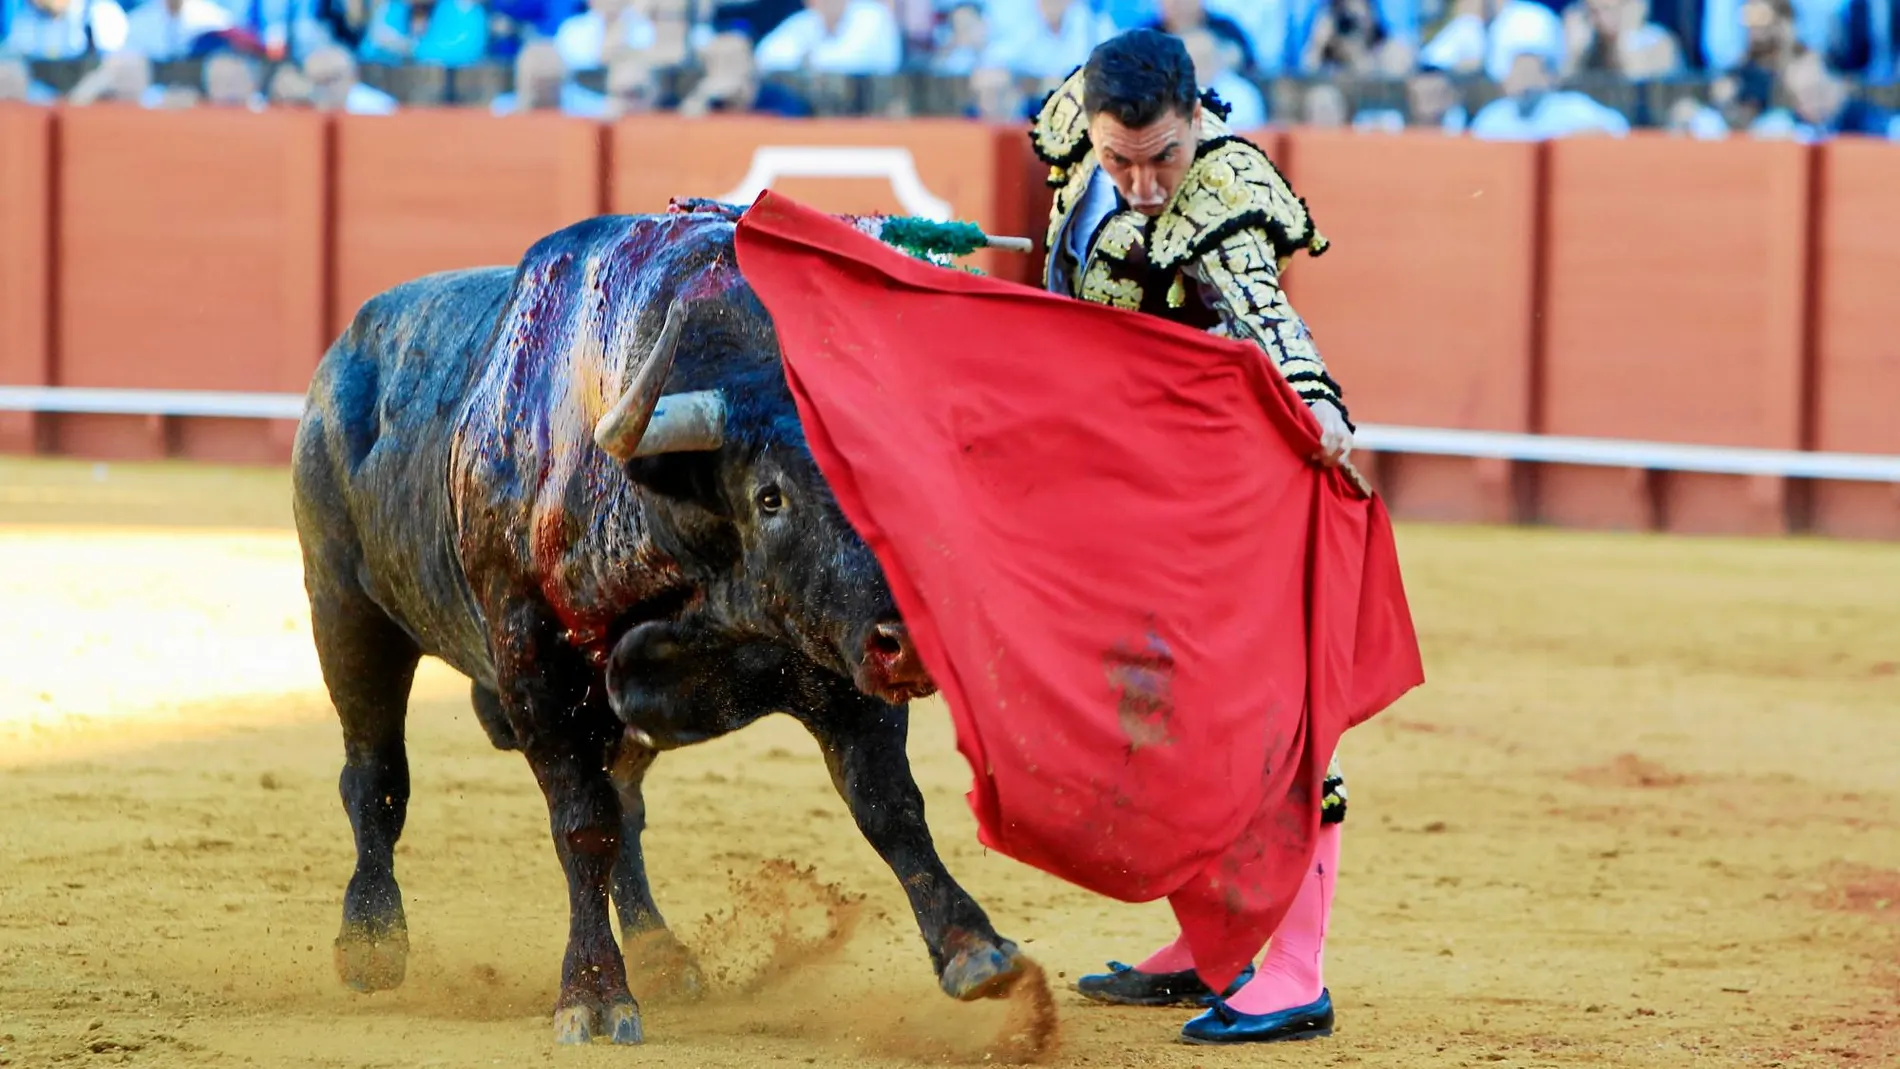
(1335, 438)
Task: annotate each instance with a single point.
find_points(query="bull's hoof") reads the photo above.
(623, 1024)
(367, 962)
(581, 1024)
(574, 1024)
(982, 971)
(659, 966)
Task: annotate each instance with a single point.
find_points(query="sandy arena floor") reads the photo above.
(1646, 812)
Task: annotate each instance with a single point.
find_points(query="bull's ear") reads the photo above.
(687, 477)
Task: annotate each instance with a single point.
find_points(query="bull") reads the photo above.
(536, 474)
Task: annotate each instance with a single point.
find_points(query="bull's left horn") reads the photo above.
(683, 423)
(620, 430)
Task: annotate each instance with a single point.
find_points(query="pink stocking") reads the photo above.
(1291, 975)
(1175, 957)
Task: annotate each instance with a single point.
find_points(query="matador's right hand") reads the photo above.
(1335, 438)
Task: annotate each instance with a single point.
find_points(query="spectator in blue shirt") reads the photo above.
(730, 83)
(835, 37)
(1824, 107)
(18, 87)
(1179, 16)
(542, 83)
(1248, 108)
(163, 30)
(1533, 110)
(332, 75)
(1043, 39)
(123, 77)
(447, 33)
(63, 29)
(590, 38)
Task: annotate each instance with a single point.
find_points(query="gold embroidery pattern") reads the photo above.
(1233, 226)
(1112, 275)
(1230, 181)
(1060, 132)
(1243, 272)
(1332, 799)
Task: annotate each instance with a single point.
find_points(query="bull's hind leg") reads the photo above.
(368, 665)
(651, 950)
(863, 741)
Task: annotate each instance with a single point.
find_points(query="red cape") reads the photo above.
(1150, 615)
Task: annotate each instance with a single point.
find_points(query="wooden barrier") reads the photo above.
(189, 255)
(26, 248)
(425, 191)
(1857, 336)
(928, 167)
(1675, 290)
(1728, 293)
(1423, 305)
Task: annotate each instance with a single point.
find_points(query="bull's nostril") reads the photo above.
(887, 640)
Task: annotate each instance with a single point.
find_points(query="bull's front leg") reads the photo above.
(864, 747)
(568, 735)
(651, 949)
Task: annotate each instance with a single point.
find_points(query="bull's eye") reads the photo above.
(770, 500)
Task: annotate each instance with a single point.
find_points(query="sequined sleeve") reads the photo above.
(1240, 276)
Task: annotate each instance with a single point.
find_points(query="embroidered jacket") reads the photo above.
(1212, 259)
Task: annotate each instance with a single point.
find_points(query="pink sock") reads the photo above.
(1291, 974)
(1175, 957)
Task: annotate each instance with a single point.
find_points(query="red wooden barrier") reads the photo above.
(1674, 310)
(1423, 305)
(920, 162)
(26, 228)
(1857, 336)
(425, 191)
(223, 250)
(190, 256)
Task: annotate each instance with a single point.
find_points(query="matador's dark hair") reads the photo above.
(1138, 76)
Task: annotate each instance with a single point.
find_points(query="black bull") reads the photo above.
(581, 482)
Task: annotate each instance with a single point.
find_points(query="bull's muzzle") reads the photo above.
(889, 666)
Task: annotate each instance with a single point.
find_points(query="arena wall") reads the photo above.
(1725, 293)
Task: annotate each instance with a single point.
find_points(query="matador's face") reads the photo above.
(1147, 163)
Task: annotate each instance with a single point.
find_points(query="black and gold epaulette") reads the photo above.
(1232, 185)
(1060, 132)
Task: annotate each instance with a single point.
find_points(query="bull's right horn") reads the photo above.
(620, 430)
(684, 423)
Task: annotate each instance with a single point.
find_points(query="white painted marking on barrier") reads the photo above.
(1544, 448)
(894, 164)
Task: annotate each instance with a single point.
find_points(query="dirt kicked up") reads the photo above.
(1645, 812)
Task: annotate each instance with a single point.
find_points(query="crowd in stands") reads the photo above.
(1506, 69)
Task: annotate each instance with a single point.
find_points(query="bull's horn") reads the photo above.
(620, 430)
(685, 422)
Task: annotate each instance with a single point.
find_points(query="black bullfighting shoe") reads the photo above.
(1222, 1024)
(1121, 985)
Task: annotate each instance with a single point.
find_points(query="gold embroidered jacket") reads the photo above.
(1212, 259)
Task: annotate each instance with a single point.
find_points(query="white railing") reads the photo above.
(1545, 448)
(151, 402)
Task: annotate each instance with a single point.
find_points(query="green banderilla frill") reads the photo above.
(932, 241)
(924, 237)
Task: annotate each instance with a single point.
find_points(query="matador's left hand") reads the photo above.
(1335, 438)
